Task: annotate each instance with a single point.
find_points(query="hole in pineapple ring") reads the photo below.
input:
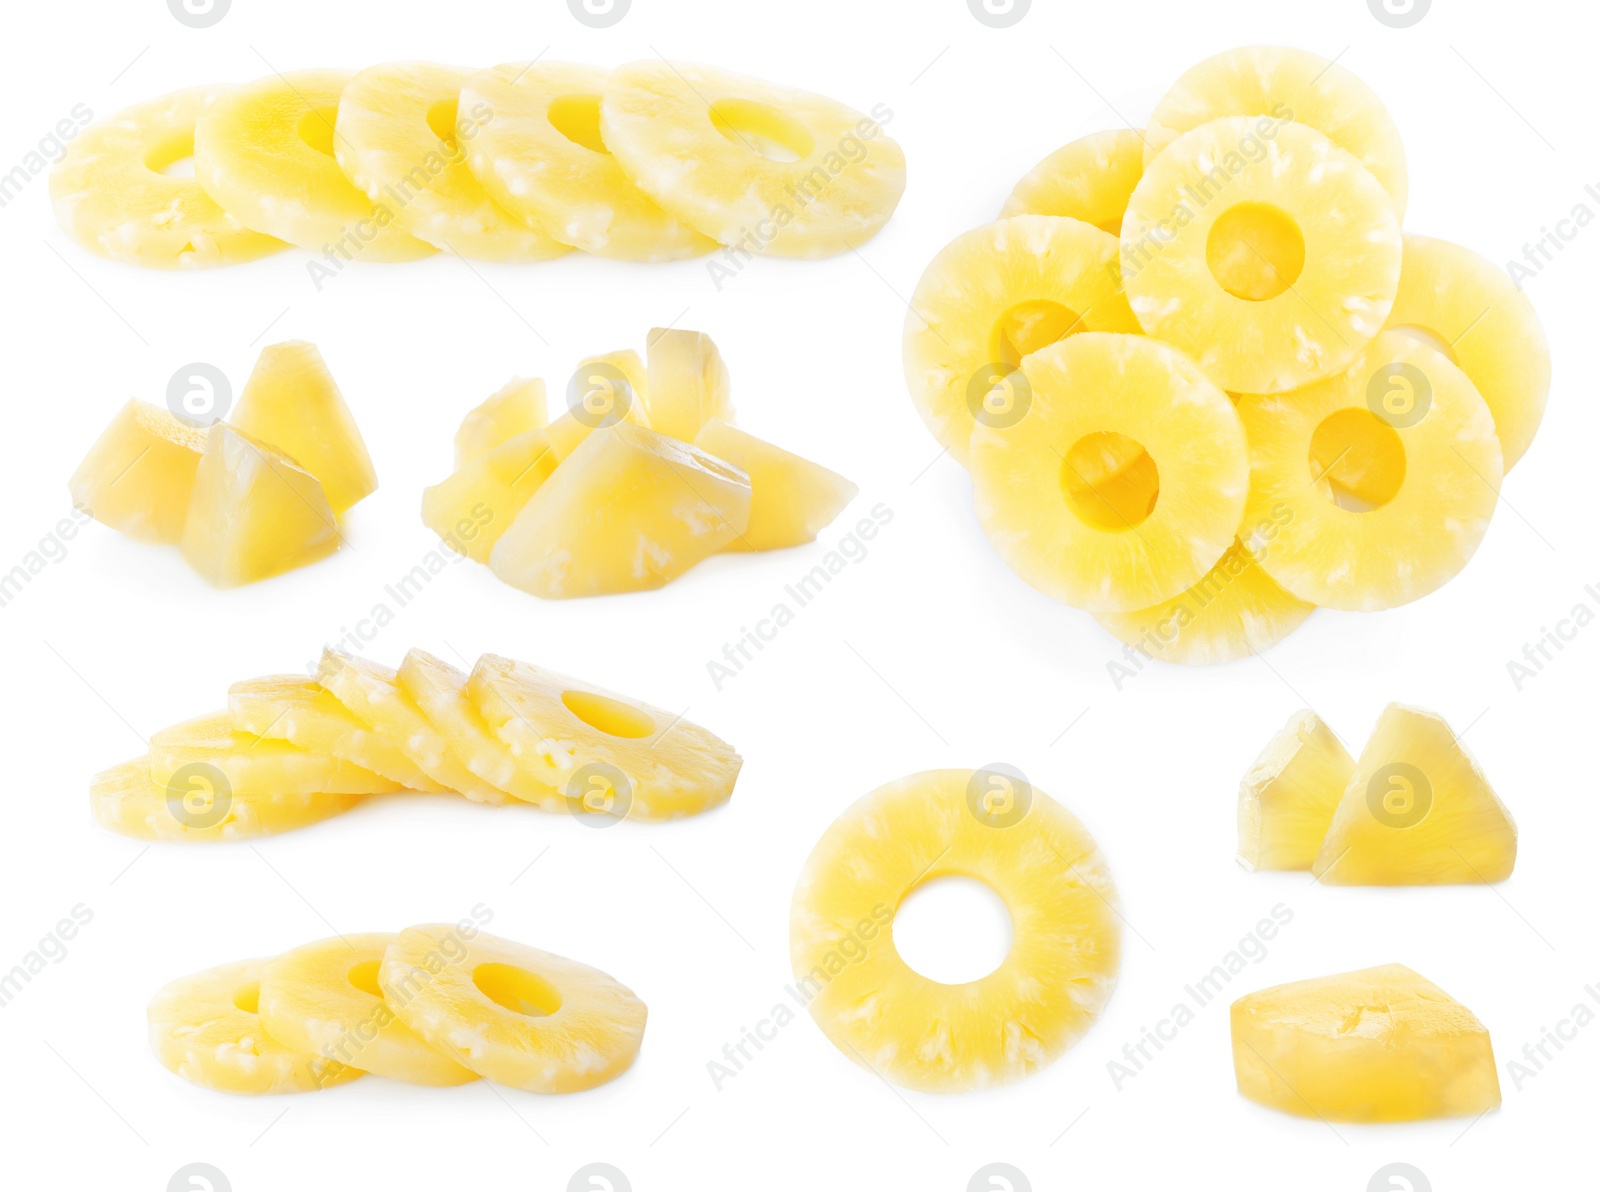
(1255, 251)
(1029, 326)
(1110, 481)
(952, 930)
(577, 117)
(442, 120)
(761, 129)
(173, 156)
(316, 128)
(517, 990)
(364, 976)
(1357, 459)
(248, 997)
(609, 715)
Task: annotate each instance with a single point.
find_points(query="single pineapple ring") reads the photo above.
(511, 1013)
(1273, 261)
(541, 155)
(110, 195)
(992, 296)
(1426, 507)
(921, 1033)
(1090, 179)
(1165, 521)
(401, 138)
(127, 800)
(758, 166)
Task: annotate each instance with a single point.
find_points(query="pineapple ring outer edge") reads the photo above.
(1090, 179)
(124, 799)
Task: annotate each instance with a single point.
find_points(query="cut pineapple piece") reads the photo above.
(139, 475)
(292, 402)
(1089, 179)
(791, 498)
(1418, 812)
(264, 151)
(323, 999)
(610, 387)
(1287, 799)
(516, 408)
(605, 751)
(1379, 1045)
(688, 382)
(247, 763)
(1432, 510)
(539, 152)
(254, 512)
(518, 1016)
(628, 510)
(1325, 227)
(1135, 544)
(921, 1033)
(205, 1028)
(111, 195)
(125, 799)
(475, 506)
(994, 295)
(764, 168)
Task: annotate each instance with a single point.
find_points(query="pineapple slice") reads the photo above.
(254, 512)
(126, 800)
(994, 295)
(244, 762)
(760, 167)
(628, 510)
(688, 383)
(205, 1028)
(1139, 543)
(609, 388)
(603, 750)
(539, 152)
(1285, 84)
(921, 1033)
(1417, 812)
(791, 498)
(1325, 226)
(1379, 1045)
(472, 508)
(1090, 179)
(518, 1016)
(1287, 799)
(139, 475)
(323, 999)
(1432, 509)
(516, 408)
(291, 401)
(264, 151)
(111, 196)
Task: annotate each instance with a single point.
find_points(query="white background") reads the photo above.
(926, 653)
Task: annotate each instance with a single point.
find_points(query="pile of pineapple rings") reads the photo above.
(652, 161)
(1204, 384)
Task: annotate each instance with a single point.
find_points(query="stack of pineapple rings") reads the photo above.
(1203, 383)
(652, 161)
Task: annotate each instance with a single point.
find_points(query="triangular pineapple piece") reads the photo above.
(688, 382)
(1288, 796)
(139, 475)
(474, 506)
(126, 799)
(510, 411)
(209, 745)
(791, 498)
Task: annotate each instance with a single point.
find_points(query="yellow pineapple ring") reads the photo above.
(264, 151)
(1090, 179)
(126, 799)
(1264, 250)
(323, 999)
(403, 139)
(205, 1028)
(541, 155)
(110, 195)
(518, 1016)
(921, 1033)
(1425, 512)
(990, 297)
(754, 165)
(1159, 525)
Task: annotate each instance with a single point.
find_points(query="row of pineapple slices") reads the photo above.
(291, 751)
(1202, 382)
(522, 162)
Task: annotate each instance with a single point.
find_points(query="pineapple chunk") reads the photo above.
(1090, 179)
(1288, 796)
(1417, 812)
(688, 382)
(252, 764)
(475, 506)
(516, 408)
(791, 498)
(609, 388)
(125, 799)
(139, 475)
(1379, 1045)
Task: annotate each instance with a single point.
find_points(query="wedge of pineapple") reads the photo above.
(1089, 179)
(127, 800)
(1378, 1045)
(1288, 796)
(764, 168)
(473, 507)
(323, 999)
(111, 193)
(514, 409)
(251, 764)
(611, 386)
(920, 1033)
(518, 1016)
(139, 475)
(688, 382)
(791, 498)
(1417, 812)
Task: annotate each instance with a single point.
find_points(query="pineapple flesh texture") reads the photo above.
(323, 999)
(1378, 1045)
(1288, 796)
(139, 475)
(125, 799)
(791, 498)
(688, 382)
(1417, 812)
(111, 195)
(473, 507)
(516, 1015)
(759, 166)
(205, 1028)
(1090, 179)
(252, 764)
(514, 409)
(923, 1034)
